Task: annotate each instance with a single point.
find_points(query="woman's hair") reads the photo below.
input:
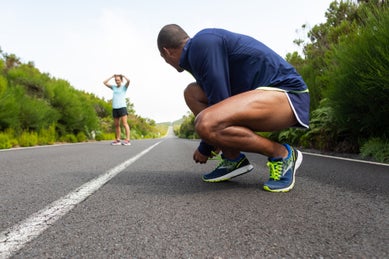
(120, 76)
(171, 36)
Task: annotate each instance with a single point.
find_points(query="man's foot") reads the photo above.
(126, 143)
(282, 171)
(116, 142)
(228, 169)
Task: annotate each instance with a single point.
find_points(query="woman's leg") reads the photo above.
(126, 126)
(117, 128)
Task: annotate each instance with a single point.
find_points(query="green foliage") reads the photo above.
(9, 110)
(187, 129)
(142, 127)
(346, 67)
(101, 107)
(359, 91)
(176, 129)
(47, 109)
(5, 141)
(341, 21)
(101, 136)
(36, 114)
(3, 86)
(74, 113)
(377, 149)
(70, 138)
(47, 136)
(104, 136)
(30, 78)
(162, 129)
(292, 136)
(81, 137)
(28, 139)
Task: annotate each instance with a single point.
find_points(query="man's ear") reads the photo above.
(167, 52)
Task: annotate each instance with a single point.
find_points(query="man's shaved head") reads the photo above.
(171, 36)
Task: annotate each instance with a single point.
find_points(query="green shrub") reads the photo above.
(3, 85)
(108, 136)
(69, 138)
(359, 85)
(47, 136)
(81, 137)
(28, 139)
(5, 142)
(187, 127)
(99, 136)
(376, 148)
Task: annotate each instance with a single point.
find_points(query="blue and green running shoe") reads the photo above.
(228, 169)
(282, 171)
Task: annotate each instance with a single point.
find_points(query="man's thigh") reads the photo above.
(259, 110)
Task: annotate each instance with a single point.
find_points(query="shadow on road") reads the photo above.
(173, 183)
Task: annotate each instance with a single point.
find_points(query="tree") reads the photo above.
(187, 129)
(341, 21)
(345, 66)
(359, 85)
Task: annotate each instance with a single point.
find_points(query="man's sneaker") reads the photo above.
(126, 143)
(116, 143)
(282, 171)
(228, 169)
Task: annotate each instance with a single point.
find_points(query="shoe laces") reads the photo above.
(275, 169)
(222, 161)
(215, 156)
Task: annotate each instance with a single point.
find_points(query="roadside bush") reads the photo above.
(28, 139)
(104, 136)
(9, 109)
(81, 137)
(5, 142)
(3, 85)
(47, 136)
(134, 134)
(109, 136)
(99, 136)
(162, 130)
(187, 129)
(359, 85)
(376, 148)
(70, 138)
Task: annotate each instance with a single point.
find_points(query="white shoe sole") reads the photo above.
(235, 173)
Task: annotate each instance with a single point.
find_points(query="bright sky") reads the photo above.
(86, 41)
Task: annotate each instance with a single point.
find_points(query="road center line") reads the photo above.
(15, 237)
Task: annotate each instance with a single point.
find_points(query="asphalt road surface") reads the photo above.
(147, 200)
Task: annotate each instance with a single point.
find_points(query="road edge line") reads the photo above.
(346, 159)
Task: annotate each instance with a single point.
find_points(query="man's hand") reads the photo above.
(199, 158)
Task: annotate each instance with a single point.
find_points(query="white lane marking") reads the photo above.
(14, 238)
(346, 159)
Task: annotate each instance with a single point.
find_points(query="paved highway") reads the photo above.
(93, 200)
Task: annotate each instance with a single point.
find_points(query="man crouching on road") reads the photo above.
(242, 87)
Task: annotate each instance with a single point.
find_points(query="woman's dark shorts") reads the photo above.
(117, 113)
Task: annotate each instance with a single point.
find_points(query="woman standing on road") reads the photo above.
(119, 107)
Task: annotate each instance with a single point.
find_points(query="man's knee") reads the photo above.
(191, 88)
(195, 98)
(204, 125)
(191, 92)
